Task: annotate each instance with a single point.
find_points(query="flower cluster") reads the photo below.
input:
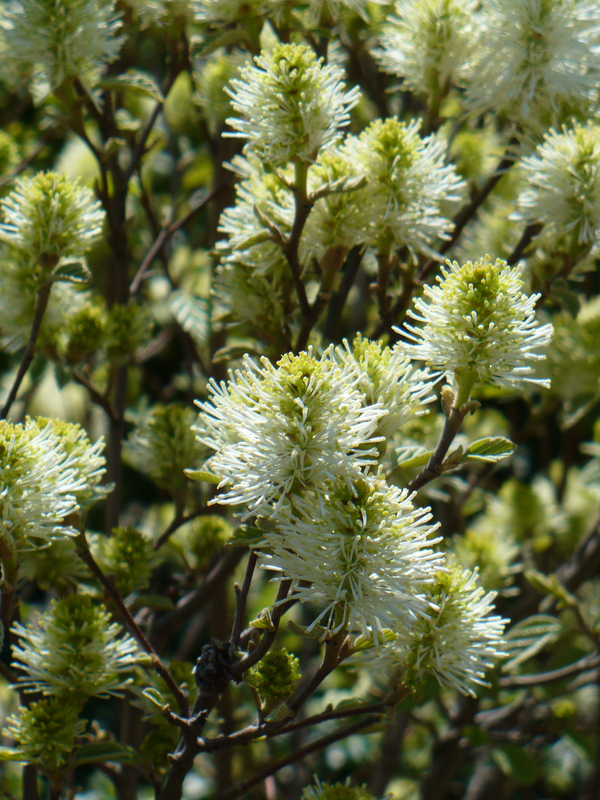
(479, 325)
(292, 105)
(65, 38)
(563, 184)
(74, 651)
(275, 675)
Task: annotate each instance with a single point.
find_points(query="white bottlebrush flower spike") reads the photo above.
(363, 554)
(542, 60)
(48, 217)
(292, 105)
(385, 375)
(479, 325)
(430, 44)
(410, 186)
(39, 483)
(74, 651)
(65, 38)
(457, 641)
(278, 431)
(563, 184)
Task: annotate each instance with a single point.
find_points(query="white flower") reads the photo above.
(48, 217)
(430, 44)
(563, 183)
(410, 185)
(74, 651)
(457, 641)
(385, 375)
(363, 554)
(281, 431)
(39, 482)
(542, 60)
(292, 105)
(479, 325)
(66, 38)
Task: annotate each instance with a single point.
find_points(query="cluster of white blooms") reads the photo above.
(430, 44)
(297, 445)
(563, 184)
(63, 38)
(49, 470)
(540, 60)
(479, 325)
(74, 651)
(408, 182)
(292, 105)
(456, 641)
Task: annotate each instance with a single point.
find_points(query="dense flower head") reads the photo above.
(479, 324)
(65, 38)
(54, 568)
(430, 44)
(363, 554)
(458, 640)
(164, 445)
(212, 77)
(201, 538)
(563, 183)
(45, 732)
(74, 651)
(48, 217)
(385, 375)
(409, 187)
(281, 430)
(126, 555)
(541, 60)
(292, 105)
(275, 675)
(82, 456)
(39, 485)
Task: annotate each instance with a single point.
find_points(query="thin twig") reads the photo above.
(434, 467)
(297, 755)
(41, 302)
(84, 553)
(241, 598)
(177, 523)
(166, 234)
(584, 664)
(98, 398)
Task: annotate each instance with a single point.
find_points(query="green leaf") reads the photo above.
(525, 639)
(245, 536)
(202, 475)
(104, 751)
(11, 754)
(367, 642)
(136, 83)
(156, 602)
(550, 584)
(516, 763)
(263, 622)
(279, 713)
(154, 696)
(71, 270)
(412, 456)
(490, 449)
(316, 632)
(192, 313)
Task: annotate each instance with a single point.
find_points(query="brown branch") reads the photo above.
(434, 467)
(98, 398)
(241, 598)
(297, 755)
(517, 681)
(41, 302)
(177, 523)
(84, 553)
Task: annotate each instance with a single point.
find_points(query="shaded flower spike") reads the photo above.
(66, 38)
(275, 675)
(48, 217)
(335, 791)
(74, 651)
(363, 557)
(430, 44)
(292, 105)
(45, 732)
(479, 325)
(457, 641)
(278, 431)
(410, 186)
(563, 180)
(541, 60)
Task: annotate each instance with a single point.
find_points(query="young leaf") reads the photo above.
(135, 83)
(104, 751)
(525, 639)
(490, 449)
(192, 314)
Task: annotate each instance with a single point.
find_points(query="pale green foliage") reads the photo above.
(211, 79)
(74, 651)
(201, 538)
(9, 152)
(126, 555)
(128, 327)
(45, 732)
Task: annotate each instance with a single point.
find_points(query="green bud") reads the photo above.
(127, 329)
(275, 675)
(127, 556)
(86, 331)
